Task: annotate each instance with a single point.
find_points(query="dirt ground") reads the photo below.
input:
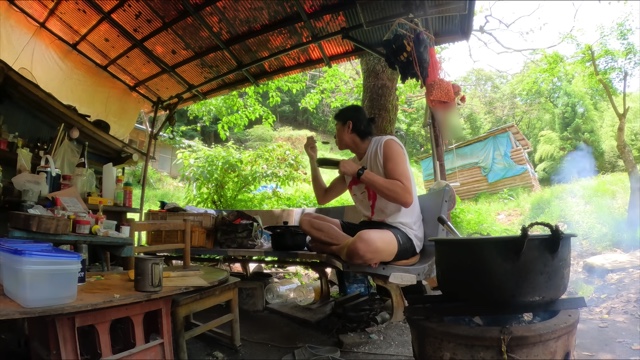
(609, 328)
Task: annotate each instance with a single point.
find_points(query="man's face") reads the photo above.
(341, 131)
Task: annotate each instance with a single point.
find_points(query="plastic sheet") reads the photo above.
(491, 155)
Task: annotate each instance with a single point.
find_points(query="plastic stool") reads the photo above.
(143, 330)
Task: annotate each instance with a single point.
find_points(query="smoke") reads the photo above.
(578, 164)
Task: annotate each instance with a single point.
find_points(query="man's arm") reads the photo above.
(324, 193)
(396, 185)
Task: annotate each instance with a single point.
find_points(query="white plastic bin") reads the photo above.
(20, 244)
(44, 277)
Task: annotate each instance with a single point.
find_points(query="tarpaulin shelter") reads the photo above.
(492, 162)
(112, 58)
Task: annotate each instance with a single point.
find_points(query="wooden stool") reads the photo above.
(150, 335)
(188, 304)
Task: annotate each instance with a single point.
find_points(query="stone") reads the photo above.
(611, 262)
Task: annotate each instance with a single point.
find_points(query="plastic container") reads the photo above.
(82, 226)
(127, 189)
(281, 291)
(20, 244)
(39, 278)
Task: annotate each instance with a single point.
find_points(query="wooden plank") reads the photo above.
(291, 309)
(192, 281)
(157, 248)
(208, 326)
(141, 352)
(70, 238)
(158, 225)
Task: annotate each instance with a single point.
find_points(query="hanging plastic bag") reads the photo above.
(24, 161)
(67, 156)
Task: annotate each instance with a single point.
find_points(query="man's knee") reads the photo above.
(361, 250)
(304, 221)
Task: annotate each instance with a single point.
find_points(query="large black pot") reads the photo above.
(287, 237)
(504, 269)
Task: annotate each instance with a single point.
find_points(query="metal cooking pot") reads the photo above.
(287, 237)
(504, 269)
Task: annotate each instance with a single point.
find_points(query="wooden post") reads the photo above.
(437, 151)
(186, 264)
(145, 169)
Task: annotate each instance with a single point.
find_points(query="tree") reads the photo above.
(379, 99)
(611, 67)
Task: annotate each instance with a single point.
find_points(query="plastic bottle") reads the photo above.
(128, 194)
(119, 192)
(307, 294)
(280, 291)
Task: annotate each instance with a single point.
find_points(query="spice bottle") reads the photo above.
(100, 216)
(119, 192)
(128, 194)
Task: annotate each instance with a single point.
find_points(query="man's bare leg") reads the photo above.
(323, 229)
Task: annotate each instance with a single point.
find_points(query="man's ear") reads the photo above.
(349, 126)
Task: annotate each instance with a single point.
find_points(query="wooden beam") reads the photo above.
(289, 21)
(362, 45)
(156, 248)
(51, 11)
(169, 24)
(64, 41)
(97, 23)
(309, 27)
(154, 59)
(217, 39)
(145, 169)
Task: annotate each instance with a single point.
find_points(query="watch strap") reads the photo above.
(360, 172)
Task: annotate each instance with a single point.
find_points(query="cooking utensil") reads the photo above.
(448, 226)
(505, 269)
(287, 237)
(328, 163)
(148, 273)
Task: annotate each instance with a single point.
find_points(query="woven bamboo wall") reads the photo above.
(472, 182)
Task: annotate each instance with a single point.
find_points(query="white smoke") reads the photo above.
(578, 164)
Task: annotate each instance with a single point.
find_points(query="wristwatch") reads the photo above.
(360, 172)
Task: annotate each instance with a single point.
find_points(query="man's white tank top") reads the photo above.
(375, 207)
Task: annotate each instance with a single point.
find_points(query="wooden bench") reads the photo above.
(392, 277)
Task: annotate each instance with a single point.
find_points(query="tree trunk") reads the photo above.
(633, 211)
(379, 97)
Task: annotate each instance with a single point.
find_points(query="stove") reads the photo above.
(445, 329)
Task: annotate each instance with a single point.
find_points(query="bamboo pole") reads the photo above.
(145, 169)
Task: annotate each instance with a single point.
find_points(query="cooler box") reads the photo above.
(20, 244)
(45, 277)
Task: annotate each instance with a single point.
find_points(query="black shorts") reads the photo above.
(406, 249)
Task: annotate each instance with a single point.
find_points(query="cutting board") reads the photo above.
(184, 281)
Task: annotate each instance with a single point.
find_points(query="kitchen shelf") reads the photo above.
(108, 208)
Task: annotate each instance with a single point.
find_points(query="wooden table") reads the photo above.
(53, 330)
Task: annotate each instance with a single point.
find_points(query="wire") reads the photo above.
(301, 345)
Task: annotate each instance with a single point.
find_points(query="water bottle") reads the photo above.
(307, 294)
(280, 291)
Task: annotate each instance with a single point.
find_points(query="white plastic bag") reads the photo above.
(67, 156)
(24, 161)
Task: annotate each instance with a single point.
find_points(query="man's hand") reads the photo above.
(311, 149)
(348, 168)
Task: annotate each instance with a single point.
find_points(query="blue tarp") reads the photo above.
(491, 155)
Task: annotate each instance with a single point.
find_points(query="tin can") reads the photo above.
(82, 274)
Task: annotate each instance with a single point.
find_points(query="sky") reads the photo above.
(544, 27)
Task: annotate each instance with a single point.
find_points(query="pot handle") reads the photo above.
(556, 236)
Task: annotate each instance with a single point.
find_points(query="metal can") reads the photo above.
(82, 274)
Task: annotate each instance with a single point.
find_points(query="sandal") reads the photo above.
(314, 352)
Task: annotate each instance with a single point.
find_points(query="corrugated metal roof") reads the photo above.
(188, 49)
